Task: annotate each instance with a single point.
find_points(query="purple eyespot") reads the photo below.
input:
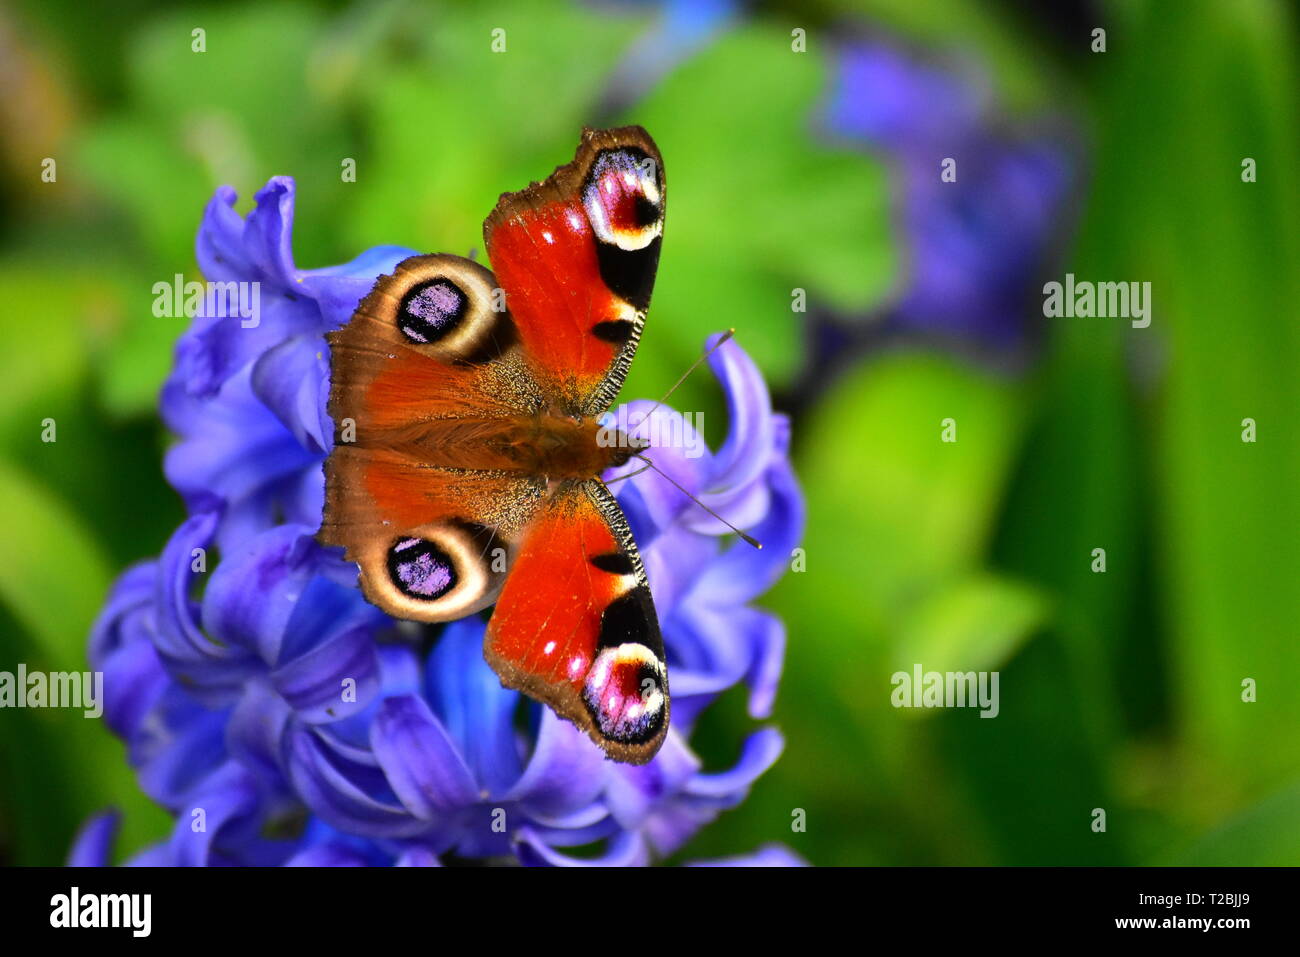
(431, 310)
(420, 569)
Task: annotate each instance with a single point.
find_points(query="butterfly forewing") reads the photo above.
(577, 256)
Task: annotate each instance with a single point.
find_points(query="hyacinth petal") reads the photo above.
(233, 450)
(767, 639)
(626, 849)
(218, 248)
(328, 855)
(742, 507)
(256, 729)
(228, 801)
(587, 818)
(721, 645)
(93, 845)
(745, 452)
(420, 760)
(693, 692)
(661, 500)
(579, 835)
(119, 621)
(134, 682)
(633, 791)
(292, 380)
(185, 754)
(769, 855)
(334, 680)
(565, 772)
(673, 561)
(211, 671)
(760, 752)
(338, 289)
(687, 26)
(232, 326)
(417, 857)
(155, 855)
(179, 634)
(475, 709)
(339, 791)
(742, 573)
(268, 232)
(892, 99)
(252, 593)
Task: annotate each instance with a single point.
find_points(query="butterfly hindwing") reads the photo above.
(433, 544)
(575, 626)
(576, 256)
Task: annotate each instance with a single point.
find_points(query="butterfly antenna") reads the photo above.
(749, 538)
(694, 365)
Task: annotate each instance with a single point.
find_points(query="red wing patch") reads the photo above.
(575, 626)
(576, 256)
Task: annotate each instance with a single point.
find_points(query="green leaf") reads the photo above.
(757, 206)
(55, 575)
(458, 124)
(977, 624)
(1203, 85)
(59, 765)
(55, 359)
(898, 529)
(897, 511)
(1266, 835)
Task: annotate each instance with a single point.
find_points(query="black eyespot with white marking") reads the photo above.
(431, 310)
(420, 569)
(623, 196)
(436, 572)
(445, 305)
(626, 694)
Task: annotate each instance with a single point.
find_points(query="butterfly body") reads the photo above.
(547, 445)
(469, 451)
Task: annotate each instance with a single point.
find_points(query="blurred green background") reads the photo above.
(1120, 690)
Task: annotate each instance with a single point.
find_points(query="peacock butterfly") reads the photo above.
(468, 458)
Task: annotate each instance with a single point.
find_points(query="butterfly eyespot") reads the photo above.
(446, 306)
(623, 197)
(431, 311)
(437, 572)
(420, 569)
(626, 693)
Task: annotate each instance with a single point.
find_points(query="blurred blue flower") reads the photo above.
(224, 682)
(974, 246)
(682, 28)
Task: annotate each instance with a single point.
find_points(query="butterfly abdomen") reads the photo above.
(563, 448)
